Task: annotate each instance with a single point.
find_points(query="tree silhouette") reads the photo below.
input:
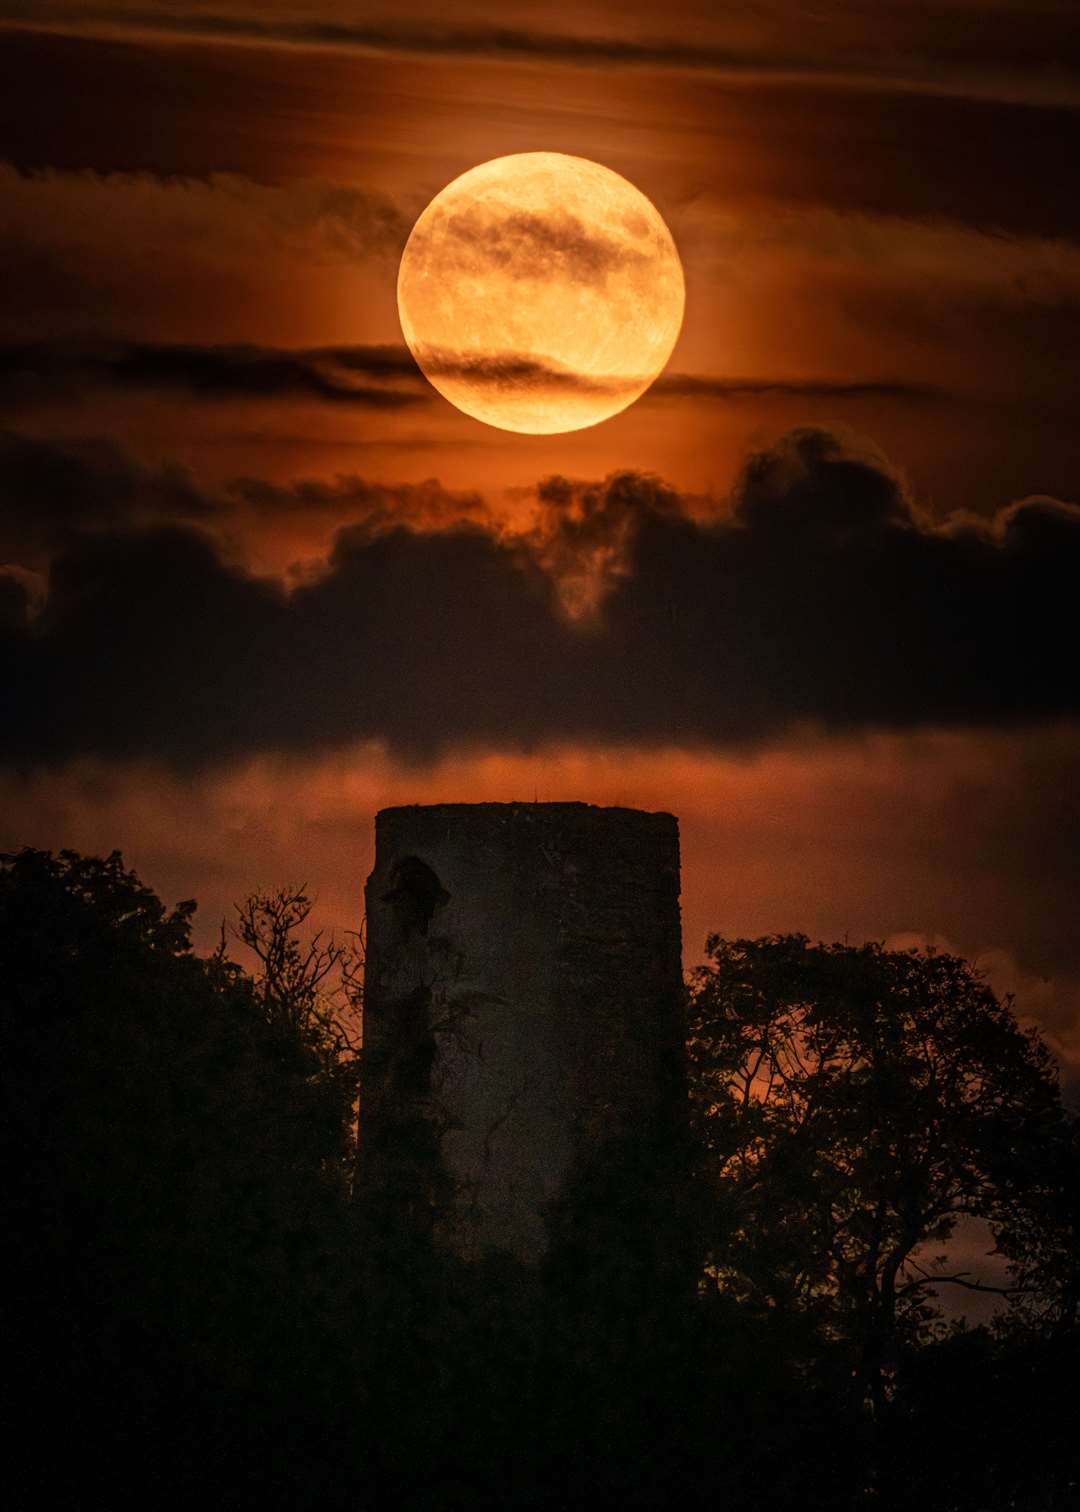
(217, 1315)
(855, 1103)
(184, 1252)
(311, 989)
(1038, 1228)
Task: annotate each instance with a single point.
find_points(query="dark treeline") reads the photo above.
(205, 1311)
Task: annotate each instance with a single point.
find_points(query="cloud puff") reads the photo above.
(53, 494)
(810, 483)
(583, 534)
(57, 494)
(823, 599)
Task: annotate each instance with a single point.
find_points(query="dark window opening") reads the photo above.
(415, 894)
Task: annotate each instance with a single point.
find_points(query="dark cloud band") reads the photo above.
(373, 377)
(370, 377)
(824, 599)
(961, 68)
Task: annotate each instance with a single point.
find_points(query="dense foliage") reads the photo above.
(204, 1310)
(855, 1103)
(178, 1199)
(853, 1106)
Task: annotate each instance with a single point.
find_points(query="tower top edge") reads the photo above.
(438, 810)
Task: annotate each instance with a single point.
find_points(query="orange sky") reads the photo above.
(877, 218)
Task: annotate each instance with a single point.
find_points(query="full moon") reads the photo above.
(541, 292)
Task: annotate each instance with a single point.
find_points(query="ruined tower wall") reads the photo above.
(522, 1005)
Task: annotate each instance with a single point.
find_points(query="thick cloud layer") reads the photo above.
(823, 599)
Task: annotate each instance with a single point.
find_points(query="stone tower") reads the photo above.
(522, 1008)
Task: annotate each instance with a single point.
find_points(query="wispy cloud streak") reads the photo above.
(949, 71)
(377, 377)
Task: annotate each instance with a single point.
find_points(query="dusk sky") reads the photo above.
(814, 592)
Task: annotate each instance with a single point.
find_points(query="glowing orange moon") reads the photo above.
(541, 292)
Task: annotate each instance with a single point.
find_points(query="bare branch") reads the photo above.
(960, 1278)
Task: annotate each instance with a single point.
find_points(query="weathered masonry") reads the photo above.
(522, 1008)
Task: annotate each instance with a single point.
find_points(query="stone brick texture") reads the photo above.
(522, 1008)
